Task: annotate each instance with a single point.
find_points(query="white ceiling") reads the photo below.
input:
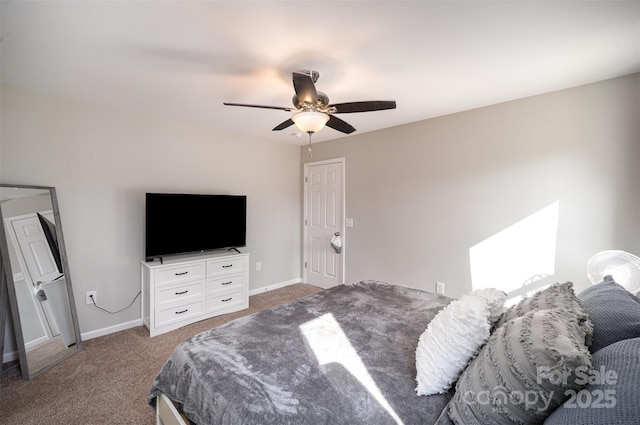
(182, 59)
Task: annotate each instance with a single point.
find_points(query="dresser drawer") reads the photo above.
(180, 294)
(178, 313)
(228, 265)
(236, 281)
(179, 273)
(230, 299)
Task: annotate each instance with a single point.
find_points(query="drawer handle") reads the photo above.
(181, 274)
(227, 283)
(183, 292)
(226, 267)
(183, 311)
(228, 299)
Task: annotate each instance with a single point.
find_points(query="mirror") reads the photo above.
(36, 274)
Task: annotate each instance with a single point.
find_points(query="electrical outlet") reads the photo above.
(89, 295)
(258, 266)
(440, 287)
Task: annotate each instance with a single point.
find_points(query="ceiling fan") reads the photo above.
(312, 111)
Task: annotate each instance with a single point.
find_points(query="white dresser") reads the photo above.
(186, 290)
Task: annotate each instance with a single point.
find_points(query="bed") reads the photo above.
(360, 354)
(346, 355)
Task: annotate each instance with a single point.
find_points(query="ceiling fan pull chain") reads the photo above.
(309, 149)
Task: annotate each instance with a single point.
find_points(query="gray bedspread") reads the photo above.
(345, 355)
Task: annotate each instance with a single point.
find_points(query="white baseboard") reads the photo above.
(9, 356)
(13, 355)
(36, 342)
(274, 286)
(111, 329)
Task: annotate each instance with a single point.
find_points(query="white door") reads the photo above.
(36, 259)
(35, 248)
(324, 218)
(43, 269)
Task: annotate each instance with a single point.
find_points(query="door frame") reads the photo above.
(341, 161)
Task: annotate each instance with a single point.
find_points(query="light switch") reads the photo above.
(348, 222)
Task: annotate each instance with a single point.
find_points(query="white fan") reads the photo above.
(622, 266)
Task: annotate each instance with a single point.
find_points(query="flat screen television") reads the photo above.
(190, 223)
(51, 235)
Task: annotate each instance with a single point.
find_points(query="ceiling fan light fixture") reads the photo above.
(310, 121)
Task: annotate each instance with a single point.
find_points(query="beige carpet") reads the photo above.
(40, 356)
(107, 382)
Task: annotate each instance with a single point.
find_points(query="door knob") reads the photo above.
(336, 243)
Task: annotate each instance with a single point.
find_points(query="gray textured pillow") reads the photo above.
(523, 371)
(558, 295)
(614, 312)
(611, 396)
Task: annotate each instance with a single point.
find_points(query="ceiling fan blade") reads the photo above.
(340, 125)
(283, 125)
(305, 89)
(368, 106)
(282, 108)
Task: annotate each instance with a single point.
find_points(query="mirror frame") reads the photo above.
(10, 289)
(4, 308)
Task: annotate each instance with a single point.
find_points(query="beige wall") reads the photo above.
(421, 195)
(102, 161)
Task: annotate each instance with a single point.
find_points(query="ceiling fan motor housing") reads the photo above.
(321, 104)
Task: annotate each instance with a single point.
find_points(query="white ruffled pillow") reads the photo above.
(454, 337)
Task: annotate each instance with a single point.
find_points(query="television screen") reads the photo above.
(50, 234)
(188, 223)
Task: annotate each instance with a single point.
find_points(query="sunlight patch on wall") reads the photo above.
(331, 345)
(513, 257)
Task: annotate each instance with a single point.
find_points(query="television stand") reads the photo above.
(178, 292)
